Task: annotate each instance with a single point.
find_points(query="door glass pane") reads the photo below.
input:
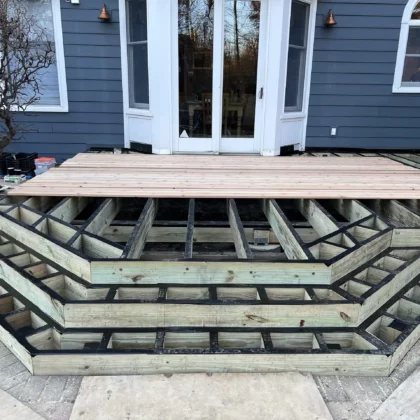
(137, 20)
(139, 89)
(296, 61)
(195, 49)
(242, 30)
(137, 54)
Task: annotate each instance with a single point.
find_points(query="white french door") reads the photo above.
(221, 68)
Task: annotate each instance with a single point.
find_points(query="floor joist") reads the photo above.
(109, 285)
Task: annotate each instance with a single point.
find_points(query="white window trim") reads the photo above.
(61, 66)
(406, 23)
(125, 68)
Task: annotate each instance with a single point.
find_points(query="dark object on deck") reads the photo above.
(23, 161)
(141, 147)
(3, 163)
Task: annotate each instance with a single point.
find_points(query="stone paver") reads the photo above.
(346, 398)
(52, 397)
(403, 403)
(358, 398)
(12, 409)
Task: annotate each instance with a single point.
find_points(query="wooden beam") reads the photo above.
(97, 248)
(103, 216)
(69, 208)
(32, 240)
(390, 289)
(317, 216)
(22, 283)
(137, 240)
(136, 364)
(157, 315)
(405, 238)
(243, 250)
(292, 244)
(352, 210)
(361, 255)
(202, 272)
(189, 238)
(173, 234)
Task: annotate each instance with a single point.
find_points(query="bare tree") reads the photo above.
(26, 51)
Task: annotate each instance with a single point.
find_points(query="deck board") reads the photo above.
(188, 176)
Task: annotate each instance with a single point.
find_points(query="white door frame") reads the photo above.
(159, 125)
(217, 143)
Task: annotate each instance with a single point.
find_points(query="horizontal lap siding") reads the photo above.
(93, 69)
(352, 77)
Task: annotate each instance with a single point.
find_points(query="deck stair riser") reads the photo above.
(324, 286)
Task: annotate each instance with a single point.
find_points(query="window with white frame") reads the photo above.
(296, 60)
(407, 69)
(53, 91)
(137, 54)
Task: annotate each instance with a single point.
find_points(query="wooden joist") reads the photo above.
(286, 234)
(334, 285)
(137, 240)
(239, 238)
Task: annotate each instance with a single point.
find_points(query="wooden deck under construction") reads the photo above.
(131, 264)
(135, 175)
(209, 285)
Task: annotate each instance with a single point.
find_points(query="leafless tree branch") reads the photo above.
(25, 50)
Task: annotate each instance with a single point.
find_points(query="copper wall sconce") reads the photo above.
(104, 16)
(330, 20)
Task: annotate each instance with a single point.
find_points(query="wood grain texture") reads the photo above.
(171, 176)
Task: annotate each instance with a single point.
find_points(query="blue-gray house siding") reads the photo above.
(352, 77)
(351, 85)
(93, 69)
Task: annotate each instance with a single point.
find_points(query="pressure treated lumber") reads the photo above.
(226, 177)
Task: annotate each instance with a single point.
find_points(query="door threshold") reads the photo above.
(217, 153)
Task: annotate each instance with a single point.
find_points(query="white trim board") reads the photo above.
(406, 23)
(159, 125)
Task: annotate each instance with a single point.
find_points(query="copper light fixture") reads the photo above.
(104, 16)
(330, 20)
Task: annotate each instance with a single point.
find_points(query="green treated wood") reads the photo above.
(289, 239)
(153, 272)
(243, 250)
(46, 247)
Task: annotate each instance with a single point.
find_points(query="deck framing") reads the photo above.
(325, 286)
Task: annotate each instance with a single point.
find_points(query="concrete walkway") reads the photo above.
(355, 398)
(288, 396)
(404, 402)
(12, 409)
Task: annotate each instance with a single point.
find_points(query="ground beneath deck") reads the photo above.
(53, 397)
(187, 176)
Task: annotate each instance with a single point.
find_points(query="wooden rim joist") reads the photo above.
(327, 286)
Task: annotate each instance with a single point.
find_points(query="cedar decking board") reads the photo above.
(187, 176)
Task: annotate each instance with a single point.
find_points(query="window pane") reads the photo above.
(416, 12)
(195, 49)
(413, 43)
(139, 87)
(296, 62)
(137, 20)
(411, 73)
(48, 78)
(242, 30)
(298, 24)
